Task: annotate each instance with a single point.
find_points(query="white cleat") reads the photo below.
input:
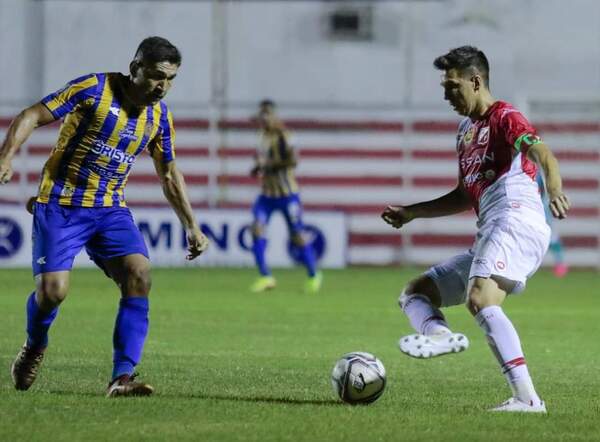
(515, 405)
(422, 346)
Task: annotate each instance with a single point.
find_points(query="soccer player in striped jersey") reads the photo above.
(274, 164)
(497, 151)
(108, 119)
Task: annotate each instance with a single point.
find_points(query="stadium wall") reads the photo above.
(356, 168)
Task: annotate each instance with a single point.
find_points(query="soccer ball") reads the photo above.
(358, 378)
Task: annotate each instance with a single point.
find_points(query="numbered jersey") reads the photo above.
(100, 137)
(493, 163)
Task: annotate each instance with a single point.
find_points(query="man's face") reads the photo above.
(153, 80)
(461, 90)
(266, 116)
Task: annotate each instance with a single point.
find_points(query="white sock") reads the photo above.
(506, 346)
(422, 315)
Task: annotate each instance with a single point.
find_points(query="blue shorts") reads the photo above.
(60, 232)
(290, 206)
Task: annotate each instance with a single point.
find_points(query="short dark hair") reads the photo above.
(465, 58)
(266, 102)
(157, 49)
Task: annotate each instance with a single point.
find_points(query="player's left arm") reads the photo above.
(173, 186)
(541, 154)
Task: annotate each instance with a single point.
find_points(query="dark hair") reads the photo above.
(157, 49)
(465, 58)
(266, 102)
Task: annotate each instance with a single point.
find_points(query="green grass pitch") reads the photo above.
(228, 365)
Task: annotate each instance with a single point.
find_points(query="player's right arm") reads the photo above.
(456, 201)
(18, 132)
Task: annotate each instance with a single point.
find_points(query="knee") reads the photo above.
(51, 291)
(476, 299)
(138, 282)
(423, 287)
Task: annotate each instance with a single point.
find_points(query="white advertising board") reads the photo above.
(228, 230)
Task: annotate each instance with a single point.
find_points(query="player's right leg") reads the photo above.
(58, 235)
(261, 212)
(421, 299)
(42, 308)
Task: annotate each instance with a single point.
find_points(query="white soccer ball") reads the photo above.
(358, 378)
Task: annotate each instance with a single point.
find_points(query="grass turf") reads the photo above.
(229, 365)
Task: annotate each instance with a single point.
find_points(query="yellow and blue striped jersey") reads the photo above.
(100, 137)
(277, 182)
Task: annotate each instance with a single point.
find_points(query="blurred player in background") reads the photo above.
(108, 120)
(275, 161)
(560, 268)
(497, 154)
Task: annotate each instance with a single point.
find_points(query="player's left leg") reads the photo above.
(132, 274)
(261, 212)
(119, 247)
(292, 211)
(485, 297)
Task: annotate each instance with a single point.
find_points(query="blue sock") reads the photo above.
(131, 328)
(38, 323)
(258, 249)
(307, 255)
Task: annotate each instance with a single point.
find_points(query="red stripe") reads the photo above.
(431, 154)
(432, 126)
(374, 239)
(243, 180)
(508, 366)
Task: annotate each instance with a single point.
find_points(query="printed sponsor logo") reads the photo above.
(469, 135)
(114, 110)
(477, 159)
(41, 260)
(484, 135)
(128, 134)
(500, 265)
(480, 261)
(101, 148)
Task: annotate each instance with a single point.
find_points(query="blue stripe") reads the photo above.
(141, 147)
(166, 133)
(82, 128)
(113, 164)
(84, 170)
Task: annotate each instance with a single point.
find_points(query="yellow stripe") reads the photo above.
(65, 95)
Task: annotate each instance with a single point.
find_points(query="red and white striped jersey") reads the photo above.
(493, 163)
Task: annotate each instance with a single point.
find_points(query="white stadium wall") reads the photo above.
(367, 118)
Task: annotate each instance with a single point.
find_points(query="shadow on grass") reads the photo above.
(218, 397)
(254, 399)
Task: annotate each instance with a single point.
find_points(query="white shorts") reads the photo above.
(508, 248)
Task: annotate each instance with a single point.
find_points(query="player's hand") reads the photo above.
(396, 216)
(29, 204)
(6, 170)
(559, 204)
(197, 243)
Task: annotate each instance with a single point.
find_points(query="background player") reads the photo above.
(560, 268)
(108, 120)
(274, 164)
(496, 149)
